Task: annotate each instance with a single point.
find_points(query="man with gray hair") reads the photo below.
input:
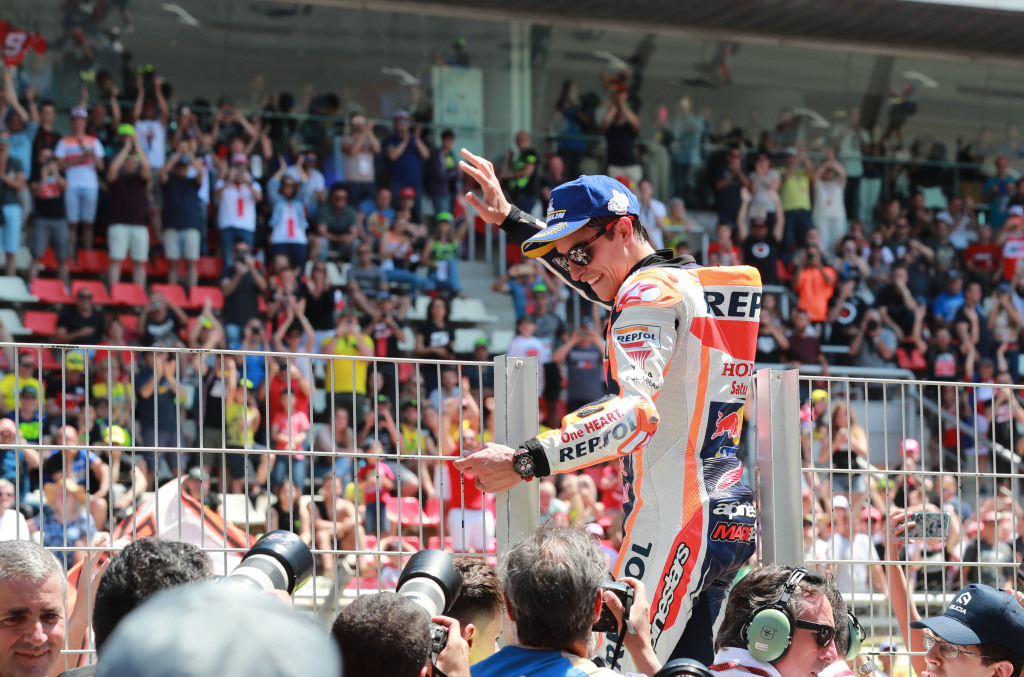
(33, 610)
(552, 588)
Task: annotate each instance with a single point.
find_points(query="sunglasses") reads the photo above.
(579, 254)
(823, 634)
(949, 651)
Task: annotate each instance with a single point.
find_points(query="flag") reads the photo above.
(17, 42)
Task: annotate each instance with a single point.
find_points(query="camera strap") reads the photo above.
(625, 627)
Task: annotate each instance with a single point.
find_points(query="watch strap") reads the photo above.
(541, 467)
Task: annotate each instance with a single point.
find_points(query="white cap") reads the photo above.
(840, 501)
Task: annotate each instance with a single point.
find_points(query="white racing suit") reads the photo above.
(680, 352)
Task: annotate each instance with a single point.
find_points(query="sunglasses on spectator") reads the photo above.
(949, 651)
(579, 254)
(823, 634)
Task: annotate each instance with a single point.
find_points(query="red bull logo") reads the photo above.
(728, 424)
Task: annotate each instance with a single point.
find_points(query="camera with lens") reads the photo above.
(279, 560)
(430, 580)
(606, 621)
(872, 325)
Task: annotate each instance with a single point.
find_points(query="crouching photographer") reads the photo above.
(404, 633)
(553, 592)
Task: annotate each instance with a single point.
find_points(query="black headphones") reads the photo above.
(770, 630)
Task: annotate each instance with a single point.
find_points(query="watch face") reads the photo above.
(523, 465)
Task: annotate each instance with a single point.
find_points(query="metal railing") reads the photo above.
(831, 471)
(364, 487)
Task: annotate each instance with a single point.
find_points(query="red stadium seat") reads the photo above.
(174, 293)
(411, 513)
(47, 361)
(209, 267)
(50, 291)
(99, 291)
(129, 294)
(158, 268)
(131, 323)
(41, 322)
(363, 584)
(198, 295)
(93, 261)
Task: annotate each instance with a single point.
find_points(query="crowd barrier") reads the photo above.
(173, 468)
(921, 446)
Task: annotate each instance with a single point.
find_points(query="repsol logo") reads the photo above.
(738, 304)
(668, 595)
(585, 447)
(735, 509)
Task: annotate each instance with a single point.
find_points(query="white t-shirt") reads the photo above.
(828, 200)
(153, 138)
(13, 526)
(852, 578)
(237, 208)
(83, 175)
(761, 200)
(358, 166)
(523, 346)
(650, 216)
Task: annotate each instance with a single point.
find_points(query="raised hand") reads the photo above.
(492, 207)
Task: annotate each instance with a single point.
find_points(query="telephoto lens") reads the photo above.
(279, 560)
(431, 581)
(683, 667)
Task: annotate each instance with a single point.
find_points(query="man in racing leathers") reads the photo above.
(680, 351)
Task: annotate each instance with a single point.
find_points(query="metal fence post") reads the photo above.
(516, 419)
(778, 459)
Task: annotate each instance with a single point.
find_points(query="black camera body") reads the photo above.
(606, 621)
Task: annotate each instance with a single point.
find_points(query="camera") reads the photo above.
(430, 580)
(683, 667)
(606, 621)
(279, 560)
(872, 325)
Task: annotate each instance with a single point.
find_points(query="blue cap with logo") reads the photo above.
(575, 203)
(979, 614)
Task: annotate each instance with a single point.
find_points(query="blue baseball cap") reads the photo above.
(979, 614)
(575, 203)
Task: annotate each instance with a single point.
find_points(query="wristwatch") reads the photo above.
(524, 464)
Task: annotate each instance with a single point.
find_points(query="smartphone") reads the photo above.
(929, 525)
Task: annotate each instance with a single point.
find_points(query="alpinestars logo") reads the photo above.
(671, 582)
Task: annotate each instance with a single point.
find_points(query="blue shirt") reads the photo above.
(999, 203)
(516, 660)
(945, 305)
(21, 146)
(407, 170)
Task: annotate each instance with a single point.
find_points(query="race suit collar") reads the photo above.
(660, 256)
(733, 659)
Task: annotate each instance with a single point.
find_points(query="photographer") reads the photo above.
(553, 594)
(242, 282)
(236, 215)
(875, 344)
(128, 178)
(748, 642)
(389, 634)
